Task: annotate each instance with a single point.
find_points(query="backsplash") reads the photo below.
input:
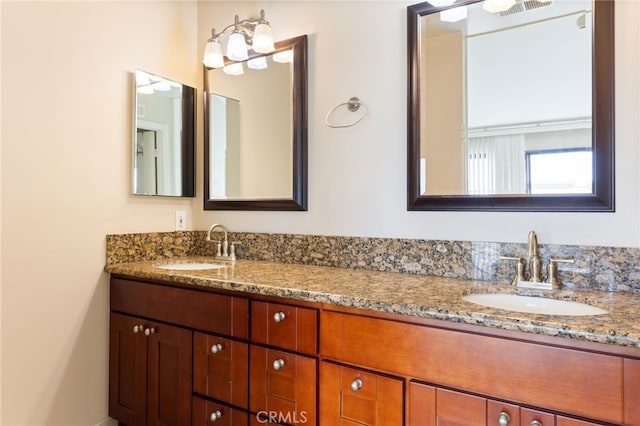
(595, 268)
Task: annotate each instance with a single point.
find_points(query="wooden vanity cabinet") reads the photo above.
(149, 372)
(283, 363)
(351, 396)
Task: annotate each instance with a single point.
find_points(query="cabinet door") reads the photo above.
(459, 409)
(352, 397)
(169, 375)
(501, 413)
(530, 417)
(127, 370)
(632, 392)
(220, 369)
(283, 386)
(208, 413)
(565, 421)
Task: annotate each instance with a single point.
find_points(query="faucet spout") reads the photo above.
(533, 257)
(225, 242)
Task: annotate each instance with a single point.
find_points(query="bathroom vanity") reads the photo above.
(316, 345)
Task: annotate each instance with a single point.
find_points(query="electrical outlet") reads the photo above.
(181, 220)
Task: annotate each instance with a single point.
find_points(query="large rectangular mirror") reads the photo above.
(256, 131)
(511, 108)
(164, 143)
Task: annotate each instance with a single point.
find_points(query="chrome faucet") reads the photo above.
(534, 279)
(224, 253)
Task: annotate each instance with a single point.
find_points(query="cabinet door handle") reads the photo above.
(536, 423)
(149, 331)
(278, 364)
(504, 419)
(356, 385)
(215, 415)
(138, 328)
(216, 348)
(279, 316)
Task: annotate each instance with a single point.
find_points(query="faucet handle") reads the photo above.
(552, 270)
(218, 246)
(520, 265)
(232, 255)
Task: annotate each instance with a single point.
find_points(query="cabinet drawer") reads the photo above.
(571, 381)
(284, 326)
(354, 397)
(207, 413)
(191, 308)
(220, 369)
(283, 385)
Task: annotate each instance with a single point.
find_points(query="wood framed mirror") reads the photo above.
(472, 89)
(255, 131)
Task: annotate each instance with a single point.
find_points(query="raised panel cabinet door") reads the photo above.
(529, 417)
(459, 409)
(209, 413)
(501, 413)
(632, 392)
(127, 370)
(566, 421)
(169, 370)
(283, 386)
(353, 397)
(285, 326)
(220, 369)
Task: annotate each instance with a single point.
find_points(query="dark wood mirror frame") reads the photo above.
(298, 201)
(603, 127)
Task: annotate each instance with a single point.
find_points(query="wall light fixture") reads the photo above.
(248, 32)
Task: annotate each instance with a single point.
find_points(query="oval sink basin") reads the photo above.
(189, 266)
(533, 305)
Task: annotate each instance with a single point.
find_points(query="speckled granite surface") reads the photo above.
(407, 294)
(596, 268)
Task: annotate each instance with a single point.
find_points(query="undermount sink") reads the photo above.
(189, 266)
(533, 305)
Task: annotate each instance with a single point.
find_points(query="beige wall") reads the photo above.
(66, 183)
(66, 159)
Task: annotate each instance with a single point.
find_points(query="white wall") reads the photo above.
(357, 176)
(67, 96)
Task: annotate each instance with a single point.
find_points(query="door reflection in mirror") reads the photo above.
(164, 145)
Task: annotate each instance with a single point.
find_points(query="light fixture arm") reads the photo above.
(246, 27)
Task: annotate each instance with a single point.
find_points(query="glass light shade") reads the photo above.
(234, 69)
(258, 63)
(263, 39)
(495, 6)
(237, 47)
(283, 57)
(454, 15)
(213, 55)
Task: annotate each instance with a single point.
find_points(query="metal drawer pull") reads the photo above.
(536, 423)
(216, 348)
(149, 331)
(278, 364)
(138, 328)
(356, 385)
(278, 316)
(504, 419)
(216, 415)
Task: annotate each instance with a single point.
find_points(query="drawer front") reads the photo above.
(285, 326)
(220, 369)
(283, 385)
(208, 413)
(632, 392)
(581, 383)
(351, 396)
(190, 308)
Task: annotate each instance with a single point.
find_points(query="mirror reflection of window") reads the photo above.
(560, 171)
(498, 85)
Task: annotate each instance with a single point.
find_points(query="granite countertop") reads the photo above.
(413, 295)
